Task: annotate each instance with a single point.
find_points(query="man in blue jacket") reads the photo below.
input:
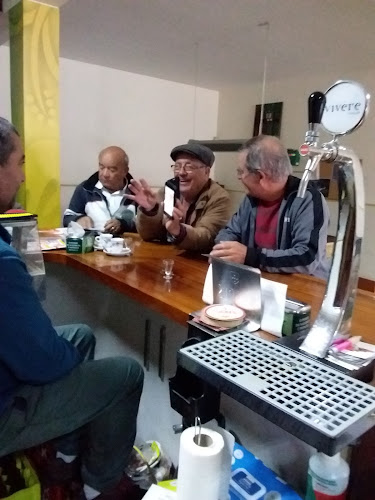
(49, 387)
(273, 229)
(100, 201)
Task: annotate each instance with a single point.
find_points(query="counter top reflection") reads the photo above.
(140, 277)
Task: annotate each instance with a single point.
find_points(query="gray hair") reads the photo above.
(6, 140)
(266, 153)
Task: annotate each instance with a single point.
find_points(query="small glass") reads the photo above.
(129, 243)
(168, 268)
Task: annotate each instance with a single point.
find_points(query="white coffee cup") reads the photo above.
(115, 245)
(103, 239)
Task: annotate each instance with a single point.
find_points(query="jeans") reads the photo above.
(93, 408)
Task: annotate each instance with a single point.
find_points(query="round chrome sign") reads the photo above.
(346, 107)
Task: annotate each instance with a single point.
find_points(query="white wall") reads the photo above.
(236, 117)
(146, 116)
(4, 83)
(101, 106)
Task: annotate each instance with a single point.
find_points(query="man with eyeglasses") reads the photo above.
(273, 229)
(202, 209)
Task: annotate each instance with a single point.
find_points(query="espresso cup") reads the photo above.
(103, 239)
(115, 245)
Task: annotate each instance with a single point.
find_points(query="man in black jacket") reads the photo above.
(99, 201)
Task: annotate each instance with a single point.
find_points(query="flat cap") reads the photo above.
(203, 153)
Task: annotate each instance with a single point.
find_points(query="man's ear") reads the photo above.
(263, 179)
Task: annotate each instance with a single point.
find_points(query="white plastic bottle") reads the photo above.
(328, 477)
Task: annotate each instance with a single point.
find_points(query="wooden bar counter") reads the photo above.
(139, 276)
(133, 289)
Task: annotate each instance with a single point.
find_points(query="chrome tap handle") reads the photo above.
(316, 103)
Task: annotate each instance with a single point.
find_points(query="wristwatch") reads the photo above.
(181, 235)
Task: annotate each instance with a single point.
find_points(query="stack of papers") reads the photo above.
(158, 493)
(353, 359)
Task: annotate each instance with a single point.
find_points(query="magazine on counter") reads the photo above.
(53, 239)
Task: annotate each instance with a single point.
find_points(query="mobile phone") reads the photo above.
(246, 484)
(171, 194)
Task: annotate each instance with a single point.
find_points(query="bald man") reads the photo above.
(273, 229)
(99, 202)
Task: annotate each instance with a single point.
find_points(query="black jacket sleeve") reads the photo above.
(76, 207)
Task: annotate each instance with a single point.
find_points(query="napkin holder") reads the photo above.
(82, 242)
(23, 228)
(192, 397)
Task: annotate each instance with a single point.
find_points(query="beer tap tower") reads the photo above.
(342, 109)
(319, 404)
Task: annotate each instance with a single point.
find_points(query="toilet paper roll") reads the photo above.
(199, 465)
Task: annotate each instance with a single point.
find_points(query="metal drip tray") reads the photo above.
(316, 403)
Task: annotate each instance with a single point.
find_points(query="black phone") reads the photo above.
(171, 194)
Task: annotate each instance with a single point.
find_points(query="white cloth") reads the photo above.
(99, 212)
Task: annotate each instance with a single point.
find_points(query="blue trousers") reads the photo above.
(93, 409)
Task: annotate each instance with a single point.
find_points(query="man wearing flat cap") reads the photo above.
(202, 209)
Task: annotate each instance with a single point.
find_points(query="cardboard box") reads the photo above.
(252, 479)
(81, 245)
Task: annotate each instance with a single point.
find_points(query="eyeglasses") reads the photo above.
(241, 172)
(188, 167)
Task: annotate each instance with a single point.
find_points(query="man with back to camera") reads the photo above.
(99, 202)
(202, 209)
(48, 389)
(273, 229)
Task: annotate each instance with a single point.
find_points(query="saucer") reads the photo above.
(221, 312)
(124, 251)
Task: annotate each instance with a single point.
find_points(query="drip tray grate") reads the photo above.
(310, 391)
